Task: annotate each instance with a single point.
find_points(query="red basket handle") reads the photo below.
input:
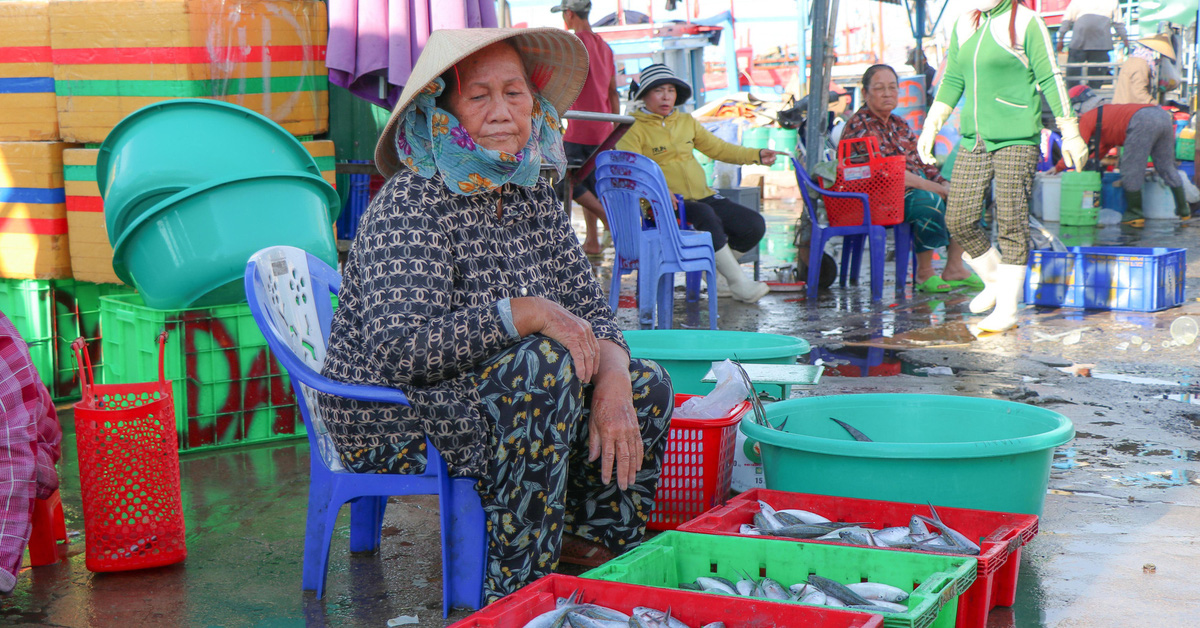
(162, 351)
(86, 378)
(844, 146)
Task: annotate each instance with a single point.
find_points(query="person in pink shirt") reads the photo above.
(29, 446)
(600, 95)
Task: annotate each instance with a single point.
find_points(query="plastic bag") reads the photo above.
(1190, 191)
(730, 390)
(1108, 217)
(1042, 238)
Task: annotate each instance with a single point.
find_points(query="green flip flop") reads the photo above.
(973, 282)
(933, 284)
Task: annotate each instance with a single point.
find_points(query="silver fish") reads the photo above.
(894, 534)
(959, 538)
(745, 586)
(878, 591)
(804, 515)
(550, 619)
(836, 535)
(595, 611)
(773, 590)
(748, 530)
(655, 618)
(858, 538)
(916, 527)
(835, 589)
(715, 624)
(788, 519)
(880, 607)
(768, 513)
(814, 597)
(580, 620)
(716, 584)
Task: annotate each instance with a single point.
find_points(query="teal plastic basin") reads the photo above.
(190, 250)
(688, 354)
(164, 148)
(964, 452)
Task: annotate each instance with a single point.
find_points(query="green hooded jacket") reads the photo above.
(999, 81)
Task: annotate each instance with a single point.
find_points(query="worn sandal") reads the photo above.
(577, 550)
(973, 282)
(933, 284)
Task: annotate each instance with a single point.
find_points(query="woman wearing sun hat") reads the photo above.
(1137, 80)
(467, 288)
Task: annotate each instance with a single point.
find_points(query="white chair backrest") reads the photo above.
(291, 307)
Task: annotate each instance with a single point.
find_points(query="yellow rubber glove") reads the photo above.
(1074, 149)
(934, 121)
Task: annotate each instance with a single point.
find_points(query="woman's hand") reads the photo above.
(766, 156)
(614, 436)
(536, 315)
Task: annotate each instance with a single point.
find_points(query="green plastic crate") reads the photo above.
(1185, 149)
(228, 388)
(673, 558)
(49, 314)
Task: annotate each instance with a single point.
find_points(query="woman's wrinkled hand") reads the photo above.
(767, 156)
(613, 433)
(536, 315)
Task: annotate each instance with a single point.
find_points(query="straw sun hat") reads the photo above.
(1160, 43)
(553, 58)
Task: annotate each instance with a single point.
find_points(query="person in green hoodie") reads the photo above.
(667, 135)
(1000, 56)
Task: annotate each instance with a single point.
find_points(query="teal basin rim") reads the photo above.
(331, 196)
(1062, 432)
(114, 136)
(788, 346)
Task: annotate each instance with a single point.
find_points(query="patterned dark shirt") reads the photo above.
(418, 308)
(895, 138)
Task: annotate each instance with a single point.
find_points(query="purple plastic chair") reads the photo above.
(852, 243)
(289, 296)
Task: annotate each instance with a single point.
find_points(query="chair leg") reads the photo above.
(856, 260)
(693, 286)
(318, 533)
(366, 523)
(614, 289)
(878, 245)
(666, 301)
(816, 249)
(464, 547)
(903, 237)
(712, 297)
(647, 294)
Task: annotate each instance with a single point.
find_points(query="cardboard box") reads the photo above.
(27, 100)
(33, 218)
(113, 57)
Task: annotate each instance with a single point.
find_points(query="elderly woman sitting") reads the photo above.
(467, 288)
(925, 189)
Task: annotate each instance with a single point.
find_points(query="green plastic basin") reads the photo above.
(964, 452)
(164, 148)
(190, 250)
(688, 354)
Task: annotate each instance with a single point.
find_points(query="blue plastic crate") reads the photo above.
(1107, 278)
(356, 205)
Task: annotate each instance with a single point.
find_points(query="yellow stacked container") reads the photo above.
(33, 213)
(27, 105)
(113, 57)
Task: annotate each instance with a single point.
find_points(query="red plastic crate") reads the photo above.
(697, 467)
(693, 609)
(1000, 536)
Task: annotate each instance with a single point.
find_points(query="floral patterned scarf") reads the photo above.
(431, 140)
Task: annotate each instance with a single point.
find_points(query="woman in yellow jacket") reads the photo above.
(668, 136)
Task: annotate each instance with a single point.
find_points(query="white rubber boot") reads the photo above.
(985, 266)
(1010, 283)
(740, 287)
(722, 286)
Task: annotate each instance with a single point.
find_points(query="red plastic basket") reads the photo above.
(128, 470)
(697, 467)
(1000, 537)
(880, 178)
(693, 609)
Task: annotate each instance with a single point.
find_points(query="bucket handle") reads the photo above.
(844, 148)
(86, 378)
(162, 351)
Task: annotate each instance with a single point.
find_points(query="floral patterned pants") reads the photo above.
(540, 482)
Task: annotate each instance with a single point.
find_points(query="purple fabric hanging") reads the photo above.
(373, 44)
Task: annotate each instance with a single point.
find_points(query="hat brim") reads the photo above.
(683, 91)
(557, 51)
(1161, 46)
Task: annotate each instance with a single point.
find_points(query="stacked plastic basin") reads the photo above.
(193, 187)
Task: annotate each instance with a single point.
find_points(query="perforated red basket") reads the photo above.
(697, 467)
(880, 178)
(128, 470)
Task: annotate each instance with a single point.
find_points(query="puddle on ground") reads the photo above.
(1156, 449)
(859, 362)
(953, 333)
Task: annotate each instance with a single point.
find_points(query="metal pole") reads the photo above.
(801, 37)
(920, 34)
(818, 85)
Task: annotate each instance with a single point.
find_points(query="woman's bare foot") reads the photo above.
(591, 246)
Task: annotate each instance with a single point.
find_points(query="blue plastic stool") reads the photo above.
(287, 290)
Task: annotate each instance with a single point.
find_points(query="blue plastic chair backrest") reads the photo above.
(647, 180)
(288, 291)
(806, 184)
(633, 192)
(624, 219)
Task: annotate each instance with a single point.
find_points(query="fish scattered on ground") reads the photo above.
(917, 536)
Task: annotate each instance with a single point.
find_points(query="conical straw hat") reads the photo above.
(1160, 43)
(552, 56)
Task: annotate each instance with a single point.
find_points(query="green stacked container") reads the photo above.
(1185, 149)
(784, 140)
(1080, 199)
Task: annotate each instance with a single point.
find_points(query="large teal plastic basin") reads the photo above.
(688, 354)
(190, 250)
(965, 452)
(165, 148)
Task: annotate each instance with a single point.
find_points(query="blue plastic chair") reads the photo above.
(289, 295)
(853, 240)
(623, 181)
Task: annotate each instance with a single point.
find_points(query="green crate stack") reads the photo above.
(675, 558)
(49, 314)
(228, 388)
(1185, 148)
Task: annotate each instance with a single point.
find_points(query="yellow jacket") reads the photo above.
(669, 142)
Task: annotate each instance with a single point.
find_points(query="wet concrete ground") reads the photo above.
(1117, 543)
